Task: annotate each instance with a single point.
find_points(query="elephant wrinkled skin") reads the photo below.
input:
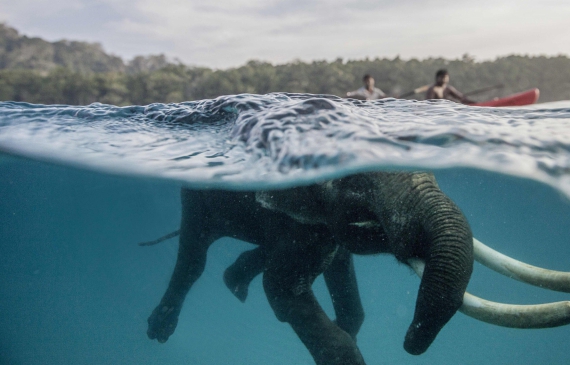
(305, 230)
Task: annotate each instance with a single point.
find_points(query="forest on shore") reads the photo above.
(78, 73)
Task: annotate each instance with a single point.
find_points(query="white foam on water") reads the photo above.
(279, 140)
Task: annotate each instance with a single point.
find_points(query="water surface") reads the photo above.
(80, 186)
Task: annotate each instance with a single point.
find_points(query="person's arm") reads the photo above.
(453, 92)
(357, 94)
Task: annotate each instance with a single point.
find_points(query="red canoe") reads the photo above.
(524, 98)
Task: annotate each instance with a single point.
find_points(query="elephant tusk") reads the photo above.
(509, 315)
(494, 260)
(516, 316)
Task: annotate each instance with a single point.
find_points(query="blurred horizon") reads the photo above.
(78, 73)
(165, 59)
(229, 34)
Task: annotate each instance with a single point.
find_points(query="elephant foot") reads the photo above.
(239, 275)
(351, 332)
(238, 288)
(162, 322)
(328, 344)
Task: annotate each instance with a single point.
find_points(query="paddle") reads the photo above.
(489, 88)
(423, 89)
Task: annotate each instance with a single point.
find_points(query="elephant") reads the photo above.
(305, 231)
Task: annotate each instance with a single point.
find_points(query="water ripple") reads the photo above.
(279, 140)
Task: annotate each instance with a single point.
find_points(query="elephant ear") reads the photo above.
(300, 203)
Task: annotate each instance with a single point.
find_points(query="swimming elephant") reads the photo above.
(305, 231)
(302, 229)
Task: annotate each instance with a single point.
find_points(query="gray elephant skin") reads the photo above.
(305, 231)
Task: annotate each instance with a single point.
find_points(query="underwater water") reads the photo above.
(81, 186)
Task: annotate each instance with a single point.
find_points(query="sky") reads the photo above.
(223, 34)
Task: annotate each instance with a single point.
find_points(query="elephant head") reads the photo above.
(408, 216)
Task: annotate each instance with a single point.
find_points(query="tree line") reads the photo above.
(178, 82)
(71, 72)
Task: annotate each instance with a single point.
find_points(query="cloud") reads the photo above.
(229, 33)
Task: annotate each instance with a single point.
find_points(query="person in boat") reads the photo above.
(443, 90)
(368, 91)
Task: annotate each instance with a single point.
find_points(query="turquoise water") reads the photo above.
(81, 186)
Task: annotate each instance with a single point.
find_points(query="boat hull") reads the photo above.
(523, 98)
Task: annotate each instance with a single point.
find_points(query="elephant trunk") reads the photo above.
(448, 254)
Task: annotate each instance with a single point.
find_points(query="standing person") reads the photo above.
(442, 90)
(368, 91)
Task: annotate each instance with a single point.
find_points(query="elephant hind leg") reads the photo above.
(239, 275)
(287, 282)
(190, 264)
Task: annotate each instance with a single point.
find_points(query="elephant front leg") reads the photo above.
(190, 264)
(340, 278)
(287, 282)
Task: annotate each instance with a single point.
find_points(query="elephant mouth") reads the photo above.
(512, 315)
